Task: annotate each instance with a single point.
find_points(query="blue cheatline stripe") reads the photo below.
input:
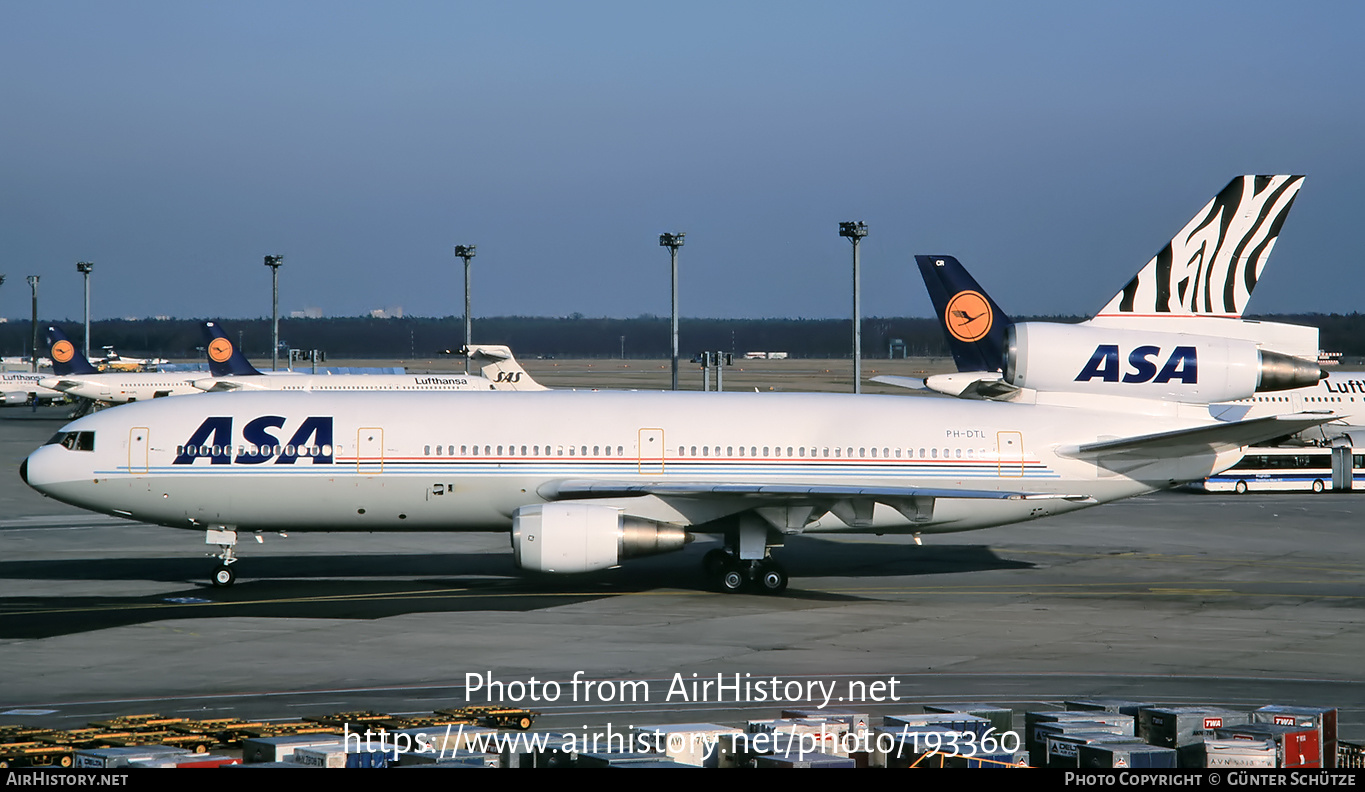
(625, 467)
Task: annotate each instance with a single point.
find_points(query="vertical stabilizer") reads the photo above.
(67, 360)
(500, 368)
(225, 359)
(975, 325)
(1211, 267)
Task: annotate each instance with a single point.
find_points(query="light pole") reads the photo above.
(673, 242)
(854, 232)
(84, 268)
(466, 252)
(274, 262)
(33, 284)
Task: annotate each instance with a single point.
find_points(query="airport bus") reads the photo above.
(1291, 470)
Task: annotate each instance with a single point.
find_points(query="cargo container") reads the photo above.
(1324, 719)
(1295, 746)
(278, 749)
(1183, 728)
(693, 744)
(1000, 717)
(121, 757)
(1221, 754)
(1125, 755)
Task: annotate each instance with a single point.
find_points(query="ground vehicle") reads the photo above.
(1291, 470)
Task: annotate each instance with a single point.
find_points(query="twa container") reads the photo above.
(1324, 719)
(1295, 746)
(1184, 728)
(1214, 753)
(1125, 755)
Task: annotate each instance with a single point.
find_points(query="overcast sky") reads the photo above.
(1052, 147)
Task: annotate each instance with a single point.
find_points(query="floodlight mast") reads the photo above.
(854, 232)
(33, 284)
(274, 263)
(466, 252)
(673, 242)
(84, 268)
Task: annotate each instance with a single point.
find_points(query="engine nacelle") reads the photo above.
(583, 537)
(13, 398)
(1172, 366)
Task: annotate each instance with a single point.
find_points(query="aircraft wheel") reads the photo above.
(223, 576)
(714, 562)
(772, 578)
(1318, 486)
(1241, 488)
(732, 579)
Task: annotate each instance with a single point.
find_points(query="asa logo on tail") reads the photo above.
(1182, 364)
(214, 441)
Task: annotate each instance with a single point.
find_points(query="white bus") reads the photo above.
(1291, 470)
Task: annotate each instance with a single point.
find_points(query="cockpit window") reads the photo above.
(74, 441)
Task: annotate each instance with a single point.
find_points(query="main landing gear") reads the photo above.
(744, 563)
(733, 575)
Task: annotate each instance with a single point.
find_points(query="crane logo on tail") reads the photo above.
(220, 350)
(63, 351)
(968, 316)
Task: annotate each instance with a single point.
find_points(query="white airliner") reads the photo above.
(23, 388)
(231, 371)
(73, 375)
(1152, 337)
(584, 480)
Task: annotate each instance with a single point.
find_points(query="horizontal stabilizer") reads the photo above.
(912, 383)
(1214, 437)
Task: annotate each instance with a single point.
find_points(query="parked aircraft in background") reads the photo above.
(73, 375)
(23, 388)
(231, 371)
(585, 480)
(113, 361)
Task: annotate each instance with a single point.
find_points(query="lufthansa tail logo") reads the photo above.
(63, 351)
(968, 316)
(220, 349)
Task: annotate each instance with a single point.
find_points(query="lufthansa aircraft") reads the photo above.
(73, 375)
(232, 371)
(24, 388)
(584, 480)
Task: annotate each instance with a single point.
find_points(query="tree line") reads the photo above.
(571, 336)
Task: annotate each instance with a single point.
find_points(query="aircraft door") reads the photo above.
(1009, 447)
(651, 452)
(138, 443)
(369, 450)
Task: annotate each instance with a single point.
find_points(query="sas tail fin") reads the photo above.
(500, 368)
(67, 360)
(1211, 267)
(975, 325)
(225, 359)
